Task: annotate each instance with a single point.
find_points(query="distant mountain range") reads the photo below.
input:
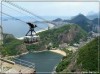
(82, 21)
(93, 16)
(96, 21)
(18, 28)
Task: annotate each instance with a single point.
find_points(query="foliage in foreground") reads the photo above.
(10, 45)
(62, 65)
(88, 55)
(65, 62)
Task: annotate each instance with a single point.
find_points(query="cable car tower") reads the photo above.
(1, 35)
(1, 29)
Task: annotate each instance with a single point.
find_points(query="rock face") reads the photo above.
(22, 48)
(71, 35)
(66, 34)
(68, 37)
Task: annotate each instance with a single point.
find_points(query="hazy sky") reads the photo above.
(56, 8)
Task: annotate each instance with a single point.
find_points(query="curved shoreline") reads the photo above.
(38, 51)
(15, 56)
(58, 51)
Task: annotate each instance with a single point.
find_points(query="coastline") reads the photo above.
(15, 56)
(38, 51)
(58, 51)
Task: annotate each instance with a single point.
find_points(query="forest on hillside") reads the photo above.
(69, 33)
(66, 34)
(86, 60)
(89, 55)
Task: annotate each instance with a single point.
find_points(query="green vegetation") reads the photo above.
(9, 46)
(33, 47)
(62, 65)
(87, 59)
(54, 36)
(88, 55)
(58, 36)
(65, 61)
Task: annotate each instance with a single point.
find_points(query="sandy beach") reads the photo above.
(59, 52)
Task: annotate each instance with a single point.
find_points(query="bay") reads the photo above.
(45, 61)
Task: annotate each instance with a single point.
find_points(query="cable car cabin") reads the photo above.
(31, 39)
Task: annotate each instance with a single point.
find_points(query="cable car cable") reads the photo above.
(21, 13)
(15, 18)
(17, 11)
(28, 12)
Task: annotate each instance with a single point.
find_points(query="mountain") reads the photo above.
(57, 20)
(79, 18)
(83, 22)
(93, 16)
(66, 20)
(96, 21)
(96, 25)
(85, 59)
(66, 34)
(12, 46)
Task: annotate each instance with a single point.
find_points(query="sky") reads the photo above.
(44, 9)
(54, 8)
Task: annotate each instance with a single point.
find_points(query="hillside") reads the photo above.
(88, 56)
(69, 34)
(57, 20)
(95, 21)
(85, 59)
(92, 16)
(66, 34)
(12, 46)
(83, 22)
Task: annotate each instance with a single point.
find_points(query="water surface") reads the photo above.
(44, 61)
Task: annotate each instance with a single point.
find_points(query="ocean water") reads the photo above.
(45, 61)
(19, 29)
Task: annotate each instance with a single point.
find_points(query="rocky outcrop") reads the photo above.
(22, 48)
(69, 36)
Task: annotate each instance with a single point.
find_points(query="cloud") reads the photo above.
(59, 8)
